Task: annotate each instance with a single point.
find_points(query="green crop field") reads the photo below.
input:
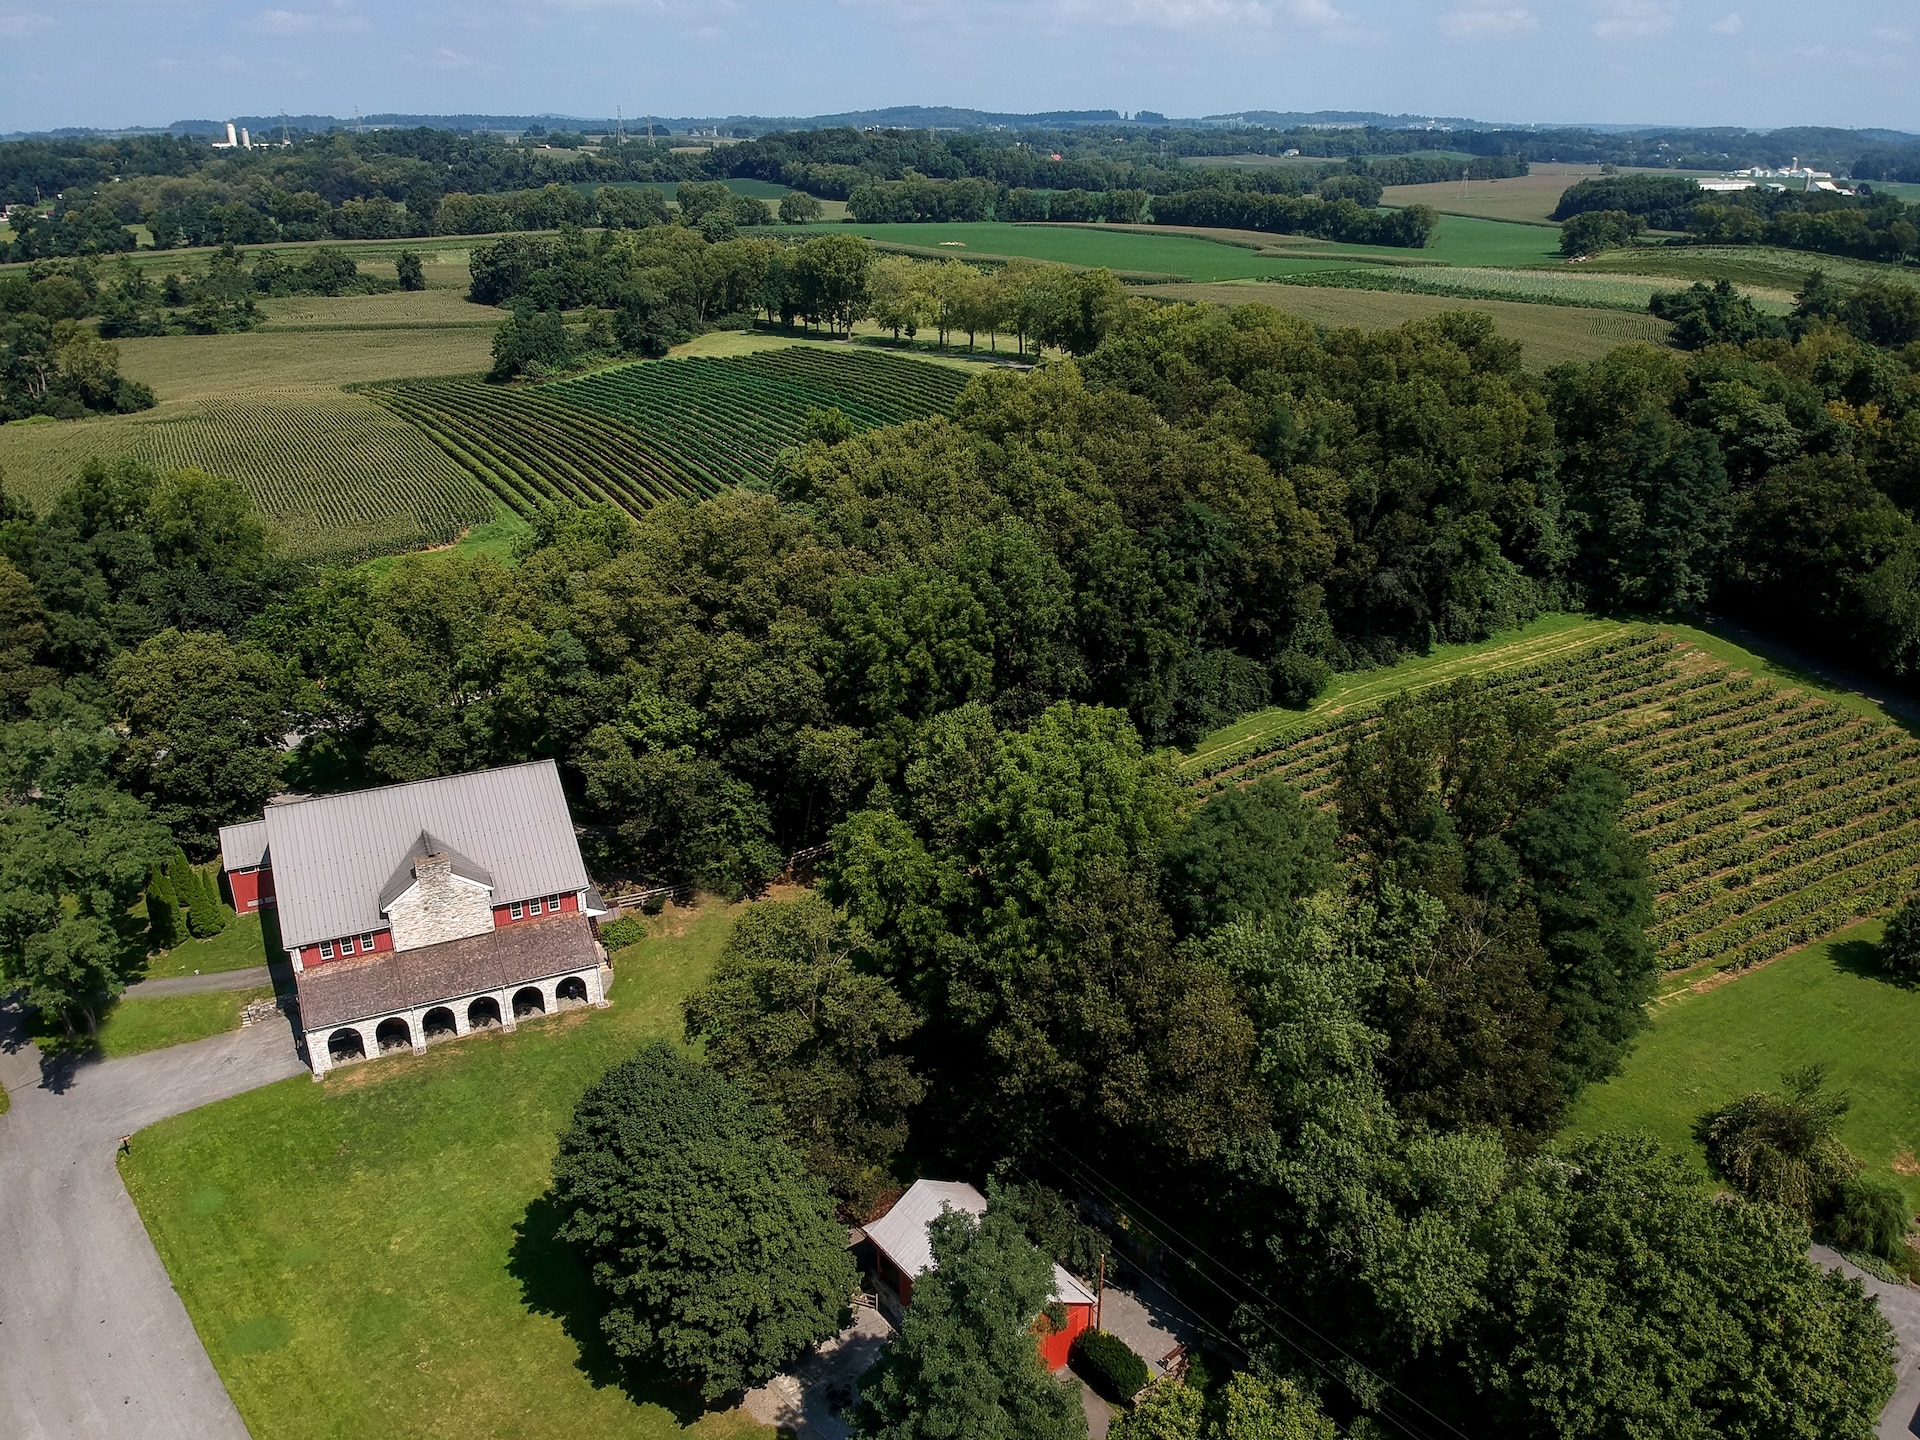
(1138, 250)
(338, 476)
(1561, 286)
(1547, 334)
(1520, 197)
(1762, 267)
(638, 434)
(1772, 815)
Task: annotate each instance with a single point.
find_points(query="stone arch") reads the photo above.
(393, 1034)
(528, 1001)
(438, 1024)
(484, 1014)
(570, 991)
(346, 1044)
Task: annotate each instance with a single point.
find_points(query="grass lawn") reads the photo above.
(1546, 636)
(241, 945)
(1825, 1004)
(372, 1256)
(496, 537)
(136, 1025)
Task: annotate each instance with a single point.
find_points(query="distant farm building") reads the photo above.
(419, 912)
(897, 1250)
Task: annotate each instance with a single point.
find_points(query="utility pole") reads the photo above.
(1100, 1293)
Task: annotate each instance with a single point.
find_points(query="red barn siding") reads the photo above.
(310, 954)
(1056, 1345)
(250, 888)
(503, 914)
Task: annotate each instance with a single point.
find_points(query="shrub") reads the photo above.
(1109, 1366)
(616, 934)
(165, 928)
(1298, 679)
(1871, 1215)
(1782, 1147)
(1900, 946)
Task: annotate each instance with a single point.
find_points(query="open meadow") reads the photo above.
(373, 1256)
(1529, 197)
(1829, 1004)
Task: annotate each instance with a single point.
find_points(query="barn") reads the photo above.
(896, 1251)
(423, 911)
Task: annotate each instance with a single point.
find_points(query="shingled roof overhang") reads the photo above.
(345, 991)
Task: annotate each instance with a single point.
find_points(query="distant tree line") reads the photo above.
(1868, 227)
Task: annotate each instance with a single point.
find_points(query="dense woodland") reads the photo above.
(1337, 1046)
(1866, 226)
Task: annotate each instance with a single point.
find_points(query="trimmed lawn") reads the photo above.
(136, 1025)
(241, 945)
(1827, 1003)
(372, 1255)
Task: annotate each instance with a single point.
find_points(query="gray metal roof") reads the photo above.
(243, 846)
(332, 855)
(402, 878)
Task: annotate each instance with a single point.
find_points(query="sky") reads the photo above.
(1757, 63)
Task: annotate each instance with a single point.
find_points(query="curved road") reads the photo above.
(94, 1343)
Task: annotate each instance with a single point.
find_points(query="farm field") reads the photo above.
(341, 477)
(1828, 1004)
(1529, 197)
(1561, 286)
(1549, 334)
(635, 435)
(1771, 814)
(372, 1256)
(1145, 250)
(1759, 266)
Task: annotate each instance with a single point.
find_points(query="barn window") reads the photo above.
(366, 943)
(553, 904)
(326, 949)
(517, 910)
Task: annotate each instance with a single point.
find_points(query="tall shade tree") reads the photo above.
(967, 1361)
(716, 1256)
(1623, 1298)
(207, 722)
(790, 1019)
(1251, 852)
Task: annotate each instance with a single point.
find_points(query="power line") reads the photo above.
(1101, 1183)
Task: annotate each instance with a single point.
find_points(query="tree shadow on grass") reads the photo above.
(1864, 958)
(552, 1283)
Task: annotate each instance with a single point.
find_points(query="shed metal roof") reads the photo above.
(243, 846)
(333, 855)
(901, 1233)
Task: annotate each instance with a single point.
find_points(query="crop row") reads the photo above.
(1769, 815)
(641, 434)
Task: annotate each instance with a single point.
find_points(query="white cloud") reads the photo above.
(22, 22)
(1889, 35)
(1480, 24)
(1728, 24)
(1633, 19)
(301, 22)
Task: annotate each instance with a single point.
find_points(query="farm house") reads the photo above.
(896, 1250)
(423, 911)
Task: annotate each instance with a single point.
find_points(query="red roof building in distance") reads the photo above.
(902, 1253)
(424, 911)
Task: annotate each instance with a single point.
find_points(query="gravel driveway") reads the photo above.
(94, 1343)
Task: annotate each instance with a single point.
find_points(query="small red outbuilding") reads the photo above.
(902, 1253)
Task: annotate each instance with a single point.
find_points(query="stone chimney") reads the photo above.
(438, 907)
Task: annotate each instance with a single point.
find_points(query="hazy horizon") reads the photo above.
(111, 63)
